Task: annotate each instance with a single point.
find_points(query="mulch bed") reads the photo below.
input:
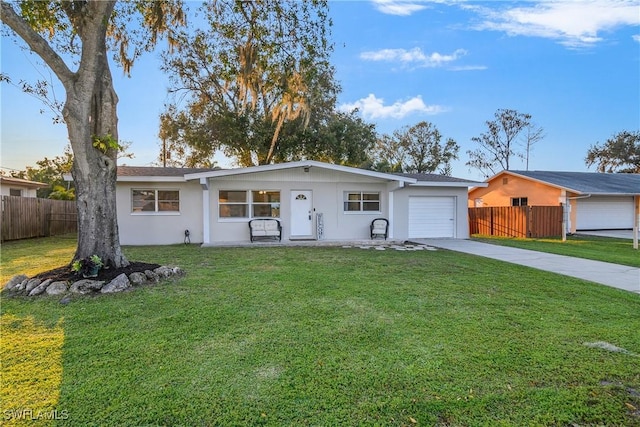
(107, 274)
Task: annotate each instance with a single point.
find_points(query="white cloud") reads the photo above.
(407, 7)
(414, 56)
(372, 107)
(398, 7)
(636, 37)
(572, 23)
(469, 68)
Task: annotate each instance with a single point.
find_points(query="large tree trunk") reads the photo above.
(90, 113)
(93, 114)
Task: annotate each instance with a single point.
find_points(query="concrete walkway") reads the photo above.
(617, 234)
(614, 275)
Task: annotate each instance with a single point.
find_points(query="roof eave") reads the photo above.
(8, 180)
(593, 193)
(155, 178)
(550, 184)
(463, 184)
(299, 164)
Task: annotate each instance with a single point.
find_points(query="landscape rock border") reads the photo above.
(22, 285)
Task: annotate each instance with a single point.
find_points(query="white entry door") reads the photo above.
(301, 214)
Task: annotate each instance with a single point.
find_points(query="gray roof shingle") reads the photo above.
(433, 177)
(589, 182)
(158, 171)
(135, 171)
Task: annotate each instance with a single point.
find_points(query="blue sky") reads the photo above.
(574, 66)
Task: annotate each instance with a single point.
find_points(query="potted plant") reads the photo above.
(88, 266)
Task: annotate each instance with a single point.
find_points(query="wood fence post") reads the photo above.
(491, 221)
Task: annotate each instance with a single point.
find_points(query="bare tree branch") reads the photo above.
(36, 43)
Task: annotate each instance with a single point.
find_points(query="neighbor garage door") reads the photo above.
(432, 217)
(601, 213)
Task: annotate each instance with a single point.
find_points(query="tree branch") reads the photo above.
(37, 44)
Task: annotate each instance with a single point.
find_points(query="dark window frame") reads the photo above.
(519, 201)
(362, 202)
(155, 201)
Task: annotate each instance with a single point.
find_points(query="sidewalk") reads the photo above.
(614, 275)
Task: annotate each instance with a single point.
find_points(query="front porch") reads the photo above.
(376, 244)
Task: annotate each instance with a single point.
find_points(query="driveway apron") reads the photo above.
(614, 275)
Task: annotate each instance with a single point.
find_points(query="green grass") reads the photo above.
(332, 336)
(32, 256)
(607, 249)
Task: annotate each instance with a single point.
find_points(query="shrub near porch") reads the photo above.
(326, 336)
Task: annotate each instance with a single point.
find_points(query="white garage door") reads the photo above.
(432, 217)
(601, 213)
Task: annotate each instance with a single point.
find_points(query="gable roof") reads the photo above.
(586, 182)
(7, 180)
(158, 171)
(299, 164)
(161, 174)
(156, 174)
(433, 179)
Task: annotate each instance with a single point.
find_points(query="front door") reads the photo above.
(301, 214)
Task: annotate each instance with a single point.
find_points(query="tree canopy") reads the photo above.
(331, 136)
(415, 149)
(257, 73)
(51, 171)
(504, 139)
(74, 38)
(620, 153)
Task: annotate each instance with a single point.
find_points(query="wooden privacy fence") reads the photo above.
(516, 221)
(26, 217)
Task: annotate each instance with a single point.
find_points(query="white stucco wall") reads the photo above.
(5, 190)
(162, 228)
(327, 188)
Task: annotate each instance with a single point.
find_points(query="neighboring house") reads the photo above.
(312, 200)
(594, 201)
(10, 186)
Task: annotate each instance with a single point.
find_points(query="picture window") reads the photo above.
(361, 201)
(153, 200)
(249, 204)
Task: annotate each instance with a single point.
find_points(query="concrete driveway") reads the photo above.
(614, 275)
(619, 234)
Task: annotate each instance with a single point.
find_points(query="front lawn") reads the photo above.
(325, 336)
(607, 249)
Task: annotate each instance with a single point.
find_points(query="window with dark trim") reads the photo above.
(15, 192)
(519, 201)
(154, 200)
(249, 204)
(361, 201)
(265, 204)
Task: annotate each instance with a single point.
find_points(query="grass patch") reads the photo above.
(33, 256)
(31, 357)
(333, 336)
(607, 249)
